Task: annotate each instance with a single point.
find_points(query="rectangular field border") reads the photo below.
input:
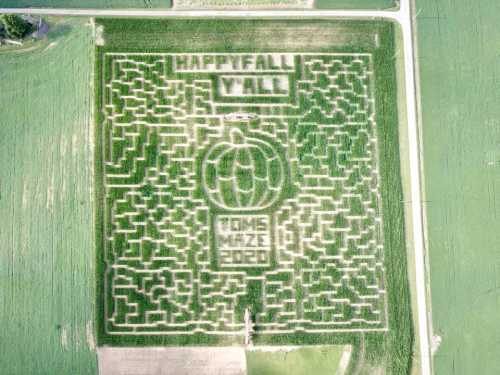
(399, 339)
(238, 334)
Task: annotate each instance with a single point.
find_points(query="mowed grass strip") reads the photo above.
(47, 246)
(356, 4)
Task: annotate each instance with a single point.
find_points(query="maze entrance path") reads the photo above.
(241, 180)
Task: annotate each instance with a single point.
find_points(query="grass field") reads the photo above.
(86, 3)
(149, 166)
(458, 58)
(304, 361)
(47, 249)
(356, 4)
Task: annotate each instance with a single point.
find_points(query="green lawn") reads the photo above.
(85, 3)
(459, 68)
(356, 4)
(47, 246)
(304, 361)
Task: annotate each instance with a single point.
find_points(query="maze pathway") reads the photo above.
(241, 180)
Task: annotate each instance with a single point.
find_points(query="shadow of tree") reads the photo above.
(59, 30)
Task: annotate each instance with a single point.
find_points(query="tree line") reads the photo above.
(14, 27)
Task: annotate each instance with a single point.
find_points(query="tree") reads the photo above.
(15, 27)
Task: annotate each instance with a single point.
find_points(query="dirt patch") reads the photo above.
(89, 333)
(435, 343)
(64, 338)
(99, 38)
(172, 361)
(50, 194)
(50, 45)
(344, 361)
(74, 145)
(242, 4)
(25, 195)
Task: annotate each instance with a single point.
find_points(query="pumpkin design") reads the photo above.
(243, 173)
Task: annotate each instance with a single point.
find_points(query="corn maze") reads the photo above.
(241, 180)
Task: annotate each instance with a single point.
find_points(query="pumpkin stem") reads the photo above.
(236, 136)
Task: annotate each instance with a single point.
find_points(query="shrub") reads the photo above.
(15, 27)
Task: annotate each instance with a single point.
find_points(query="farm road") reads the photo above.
(140, 13)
